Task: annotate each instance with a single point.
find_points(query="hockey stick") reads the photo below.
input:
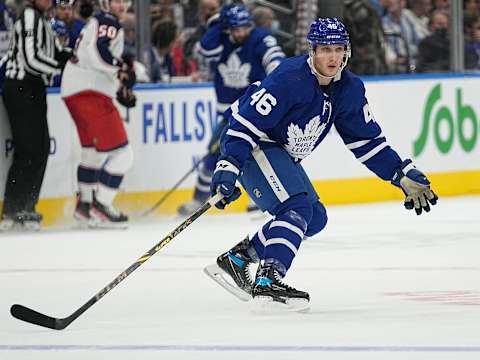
(172, 190)
(211, 151)
(31, 316)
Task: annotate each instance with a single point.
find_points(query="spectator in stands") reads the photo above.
(471, 7)
(434, 50)
(206, 11)
(379, 7)
(443, 5)
(164, 33)
(64, 12)
(263, 16)
(367, 38)
(472, 41)
(401, 46)
(182, 65)
(129, 24)
(417, 14)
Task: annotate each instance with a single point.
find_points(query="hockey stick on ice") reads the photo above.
(26, 314)
(172, 190)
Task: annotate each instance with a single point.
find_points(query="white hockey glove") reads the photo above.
(415, 186)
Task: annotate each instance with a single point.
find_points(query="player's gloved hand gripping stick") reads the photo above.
(223, 181)
(415, 186)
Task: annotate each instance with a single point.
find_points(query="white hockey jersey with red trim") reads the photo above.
(97, 57)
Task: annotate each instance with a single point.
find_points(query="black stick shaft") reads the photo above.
(23, 313)
(172, 190)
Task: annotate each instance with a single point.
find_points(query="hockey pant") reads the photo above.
(280, 186)
(106, 155)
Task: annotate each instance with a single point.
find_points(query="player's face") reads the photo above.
(327, 59)
(240, 34)
(118, 8)
(64, 13)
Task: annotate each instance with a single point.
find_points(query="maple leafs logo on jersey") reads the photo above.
(301, 143)
(234, 73)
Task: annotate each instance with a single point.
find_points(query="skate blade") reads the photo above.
(218, 275)
(265, 305)
(98, 224)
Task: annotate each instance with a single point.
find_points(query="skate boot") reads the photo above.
(104, 216)
(189, 207)
(199, 198)
(270, 294)
(28, 220)
(235, 265)
(82, 211)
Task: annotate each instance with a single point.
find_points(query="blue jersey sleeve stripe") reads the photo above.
(212, 52)
(373, 152)
(243, 136)
(270, 53)
(357, 144)
(245, 122)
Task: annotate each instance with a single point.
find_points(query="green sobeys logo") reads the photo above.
(465, 115)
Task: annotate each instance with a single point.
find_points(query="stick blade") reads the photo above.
(33, 317)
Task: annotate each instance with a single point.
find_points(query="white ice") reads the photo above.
(384, 284)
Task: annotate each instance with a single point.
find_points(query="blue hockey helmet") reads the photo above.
(236, 15)
(329, 31)
(59, 27)
(64, 2)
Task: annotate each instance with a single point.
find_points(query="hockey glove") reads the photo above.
(126, 97)
(126, 74)
(415, 186)
(223, 181)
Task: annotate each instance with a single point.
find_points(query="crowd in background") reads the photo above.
(388, 36)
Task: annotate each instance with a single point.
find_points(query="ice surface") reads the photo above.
(384, 283)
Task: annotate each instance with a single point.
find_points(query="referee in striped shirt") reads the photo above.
(34, 57)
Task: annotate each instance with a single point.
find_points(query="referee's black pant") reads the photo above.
(26, 105)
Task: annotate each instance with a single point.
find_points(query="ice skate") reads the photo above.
(189, 207)
(103, 216)
(21, 220)
(232, 271)
(271, 295)
(82, 212)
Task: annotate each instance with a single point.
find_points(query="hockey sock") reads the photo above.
(284, 236)
(87, 182)
(111, 176)
(259, 240)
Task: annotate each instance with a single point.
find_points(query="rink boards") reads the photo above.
(435, 120)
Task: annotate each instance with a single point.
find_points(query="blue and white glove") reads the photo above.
(223, 181)
(416, 187)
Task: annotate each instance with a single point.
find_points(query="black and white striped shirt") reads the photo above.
(32, 48)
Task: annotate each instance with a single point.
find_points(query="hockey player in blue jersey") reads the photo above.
(272, 127)
(239, 54)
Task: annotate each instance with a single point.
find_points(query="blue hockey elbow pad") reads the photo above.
(415, 186)
(223, 181)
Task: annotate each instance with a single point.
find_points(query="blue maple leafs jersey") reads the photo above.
(289, 107)
(237, 66)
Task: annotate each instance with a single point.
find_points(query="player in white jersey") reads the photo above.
(91, 79)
